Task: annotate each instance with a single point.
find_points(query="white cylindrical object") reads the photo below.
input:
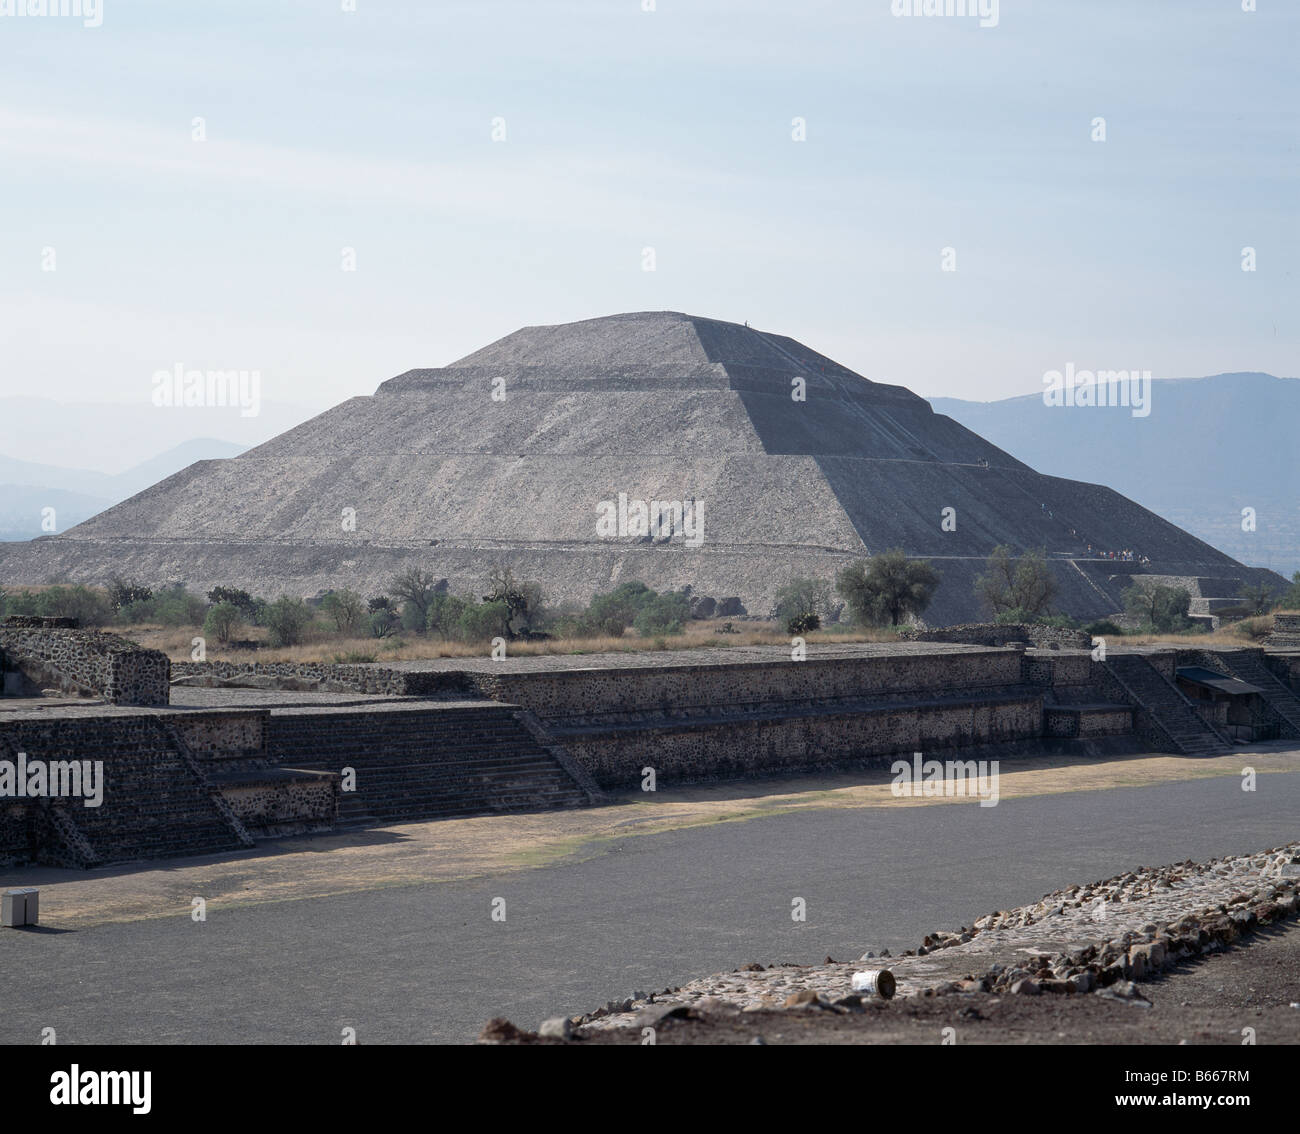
(874, 982)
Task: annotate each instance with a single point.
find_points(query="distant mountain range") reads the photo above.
(27, 488)
(116, 436)
(50, 447)
(1209, 448)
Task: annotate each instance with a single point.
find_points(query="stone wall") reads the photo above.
(39, 622)
(1064, 672)
(273, 804)
(86, 663)
(1079, 722)
(781, 743)
(577, 694)
(223, 735)
(15, 829)
(999, 634)
(691, 722)
(324, 676)
(152, 802)
(1285, 634)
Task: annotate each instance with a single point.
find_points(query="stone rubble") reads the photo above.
(1100, 938)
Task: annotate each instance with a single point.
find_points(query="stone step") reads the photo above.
(426, 764)
(1166, 705)
(1250, 668)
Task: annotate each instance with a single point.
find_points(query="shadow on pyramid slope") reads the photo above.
(503, 458)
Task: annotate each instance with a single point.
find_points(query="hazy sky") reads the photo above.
(628, 129)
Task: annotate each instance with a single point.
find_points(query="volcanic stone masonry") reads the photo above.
(38, 654)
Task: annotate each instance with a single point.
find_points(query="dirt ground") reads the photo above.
(1207, 1001)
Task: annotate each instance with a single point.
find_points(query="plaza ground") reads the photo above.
(390, 930)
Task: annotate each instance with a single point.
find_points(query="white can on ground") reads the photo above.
(875, 982)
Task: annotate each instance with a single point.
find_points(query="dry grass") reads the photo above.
(1226, 639)
(177, 643)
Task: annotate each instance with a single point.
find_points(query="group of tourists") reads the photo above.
(1125, 556)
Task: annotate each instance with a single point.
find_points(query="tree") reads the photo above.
(287, 619)
(240, 600)
(382, 617)
(222, 621)
(345, 609)
(175, 606)
(802, 600)
(121, 593)
(887, 587)
(1290, 598)
(523, 601)
(1023, 585)
(1163, 608)
(1258, 598)
(1171, 608)
(417, 587)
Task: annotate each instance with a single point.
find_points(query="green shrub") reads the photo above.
(174, 606)
(481, 622)
(346, 609)
(803, 624)
(1104, 627)
(383, 621)
(444, 616)
(413, 618)
(1257, 598)
(242, 601)
(613, 612)
(1290, 598)
(288, 619)
(19, 602)
(222, 621)
(90, 608)
(662, 615)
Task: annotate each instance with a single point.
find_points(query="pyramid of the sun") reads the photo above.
(506, 456)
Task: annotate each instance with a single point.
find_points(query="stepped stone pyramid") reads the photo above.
(659, 406)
